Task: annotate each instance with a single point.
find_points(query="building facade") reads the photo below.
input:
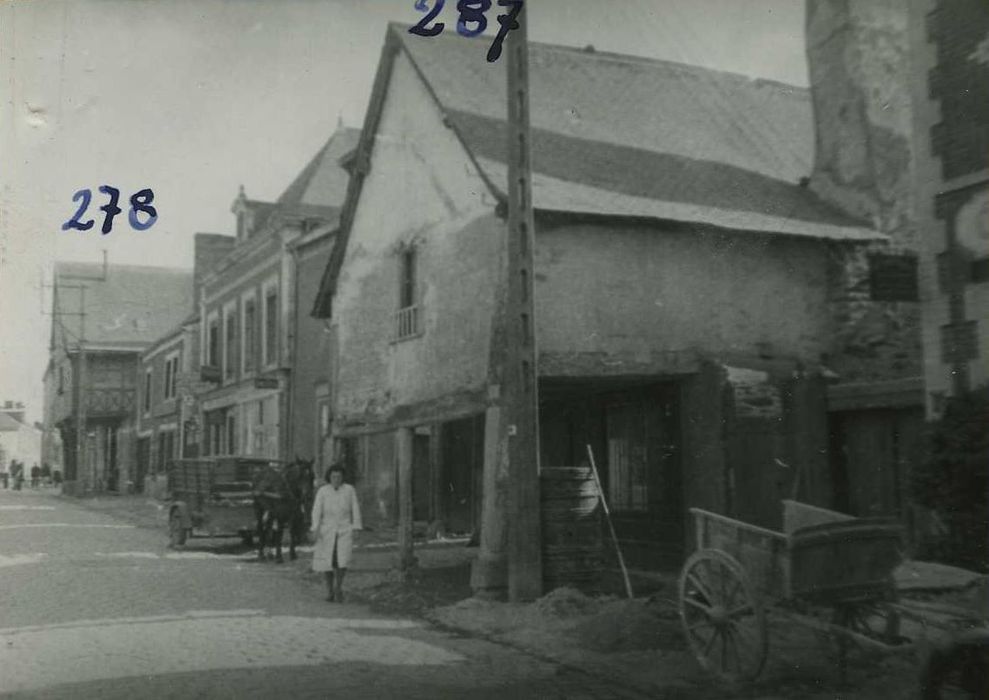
(103, 317)
(950, 46)
(258, 351)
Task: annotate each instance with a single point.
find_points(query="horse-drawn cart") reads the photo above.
(826, 571)
(213, 497)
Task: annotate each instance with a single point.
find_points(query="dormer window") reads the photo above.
(245, 221)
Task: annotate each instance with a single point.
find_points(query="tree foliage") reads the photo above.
(953, 479)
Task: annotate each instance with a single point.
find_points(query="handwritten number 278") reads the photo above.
(140, 203)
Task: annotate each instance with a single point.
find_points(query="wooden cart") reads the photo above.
(827, 571)
(213, 497)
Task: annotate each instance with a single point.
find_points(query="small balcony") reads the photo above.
(407, 323)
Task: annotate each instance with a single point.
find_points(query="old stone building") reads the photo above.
(864, 160)
(687, 289)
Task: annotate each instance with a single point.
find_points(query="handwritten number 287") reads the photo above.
(471, 12)
(140, 203)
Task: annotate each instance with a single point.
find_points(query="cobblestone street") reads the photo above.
(94, 606)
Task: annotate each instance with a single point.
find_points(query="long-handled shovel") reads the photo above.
(611, 525)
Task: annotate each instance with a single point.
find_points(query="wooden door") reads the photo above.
(462, 463)
(871, 455)
(643, 482)
(421, 483)
(143, 463)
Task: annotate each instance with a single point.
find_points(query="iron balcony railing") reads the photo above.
(407, 322)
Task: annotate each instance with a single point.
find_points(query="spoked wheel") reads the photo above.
(724, 622)
(959, 671)
(176, 532)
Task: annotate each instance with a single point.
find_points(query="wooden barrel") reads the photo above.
(571, 529)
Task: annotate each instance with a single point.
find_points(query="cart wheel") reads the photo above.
(960, 670)
(724, 622)
(176, 533)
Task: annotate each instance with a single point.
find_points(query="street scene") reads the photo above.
(96, 607)
(512, 348)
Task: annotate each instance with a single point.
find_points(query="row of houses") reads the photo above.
(725, 285)
(221, 360)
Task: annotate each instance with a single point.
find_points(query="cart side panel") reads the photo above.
(848, 560)
(797, 515)
(761, 552)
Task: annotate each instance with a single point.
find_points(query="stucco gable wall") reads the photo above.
(614, 299)
(422, 190)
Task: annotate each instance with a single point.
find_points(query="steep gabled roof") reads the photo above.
(8, 423)
(129, 309)
(323, 182)
(622, 137)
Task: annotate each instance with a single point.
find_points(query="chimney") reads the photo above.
(209, 249)
(858, 58)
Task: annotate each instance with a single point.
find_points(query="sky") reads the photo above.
(194, 98)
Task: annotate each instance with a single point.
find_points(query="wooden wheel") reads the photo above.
(959, 671)
(176, 532)
(722, 618)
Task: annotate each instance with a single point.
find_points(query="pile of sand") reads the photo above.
(567, 602)
(630, 625)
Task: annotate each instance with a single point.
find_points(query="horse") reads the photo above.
(283, 499)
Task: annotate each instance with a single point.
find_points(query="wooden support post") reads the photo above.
(403, 454)
(489, 574)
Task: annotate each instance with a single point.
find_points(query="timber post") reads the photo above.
(403, 453)
(521, 403)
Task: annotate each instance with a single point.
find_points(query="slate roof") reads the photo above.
(628, 136)
(132, 308)
(9, 423)
(323, 182)
(624, 137)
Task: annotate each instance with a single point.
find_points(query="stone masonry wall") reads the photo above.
(859, 72)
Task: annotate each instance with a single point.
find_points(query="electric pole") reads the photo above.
(521, 401)
(80, 389)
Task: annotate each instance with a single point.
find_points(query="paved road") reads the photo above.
(93, 607)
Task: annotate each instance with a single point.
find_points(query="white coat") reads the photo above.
(335, 515)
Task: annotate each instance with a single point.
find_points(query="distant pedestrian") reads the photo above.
(335, 515)
(4, 476)
(35, 476)
(17, 474)
(57, 477)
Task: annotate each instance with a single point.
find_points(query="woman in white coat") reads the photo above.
(335, 516)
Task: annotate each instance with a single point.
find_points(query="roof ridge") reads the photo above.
(631, 58)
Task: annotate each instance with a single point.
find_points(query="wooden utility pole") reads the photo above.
(81, 390)
(521, 402)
